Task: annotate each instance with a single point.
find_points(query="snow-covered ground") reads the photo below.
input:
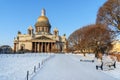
(59, 67)
(113, 72)
(15, 66)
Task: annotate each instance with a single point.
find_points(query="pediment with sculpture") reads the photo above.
(43, 38)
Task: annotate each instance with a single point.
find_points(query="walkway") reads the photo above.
(68, 67)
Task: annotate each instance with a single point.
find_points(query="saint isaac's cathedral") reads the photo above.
(40, 40)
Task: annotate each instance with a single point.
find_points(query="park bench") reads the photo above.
(107, 64)
(81, 60)
(87, 58)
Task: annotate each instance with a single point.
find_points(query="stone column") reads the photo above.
(41, 46)
(53, 46)
(38, 47)
(32, 47)
(49, 47)
(14, 47)
(45, 47)
(35, 47)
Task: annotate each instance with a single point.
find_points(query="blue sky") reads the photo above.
(66, 15)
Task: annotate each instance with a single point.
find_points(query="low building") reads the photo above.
(40, 40)
(116, 46)
(5, 49)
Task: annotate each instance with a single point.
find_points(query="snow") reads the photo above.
(59, 67)
(15, 66)
(114, 73)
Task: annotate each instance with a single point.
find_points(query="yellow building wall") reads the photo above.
(116, 46)
(27, 45)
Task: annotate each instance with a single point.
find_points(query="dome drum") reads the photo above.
(43, 24)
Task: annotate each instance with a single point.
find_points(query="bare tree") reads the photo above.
(92, 37)
(109, 14)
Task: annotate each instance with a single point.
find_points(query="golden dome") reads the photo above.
(42, 19)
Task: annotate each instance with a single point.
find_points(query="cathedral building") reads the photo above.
(40, 40)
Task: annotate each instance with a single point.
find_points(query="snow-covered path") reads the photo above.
(68, 67)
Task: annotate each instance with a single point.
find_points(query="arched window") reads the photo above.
(22, 47)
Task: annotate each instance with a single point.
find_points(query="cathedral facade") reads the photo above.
(40, 40)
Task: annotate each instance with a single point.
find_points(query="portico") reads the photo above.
(43, 46)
